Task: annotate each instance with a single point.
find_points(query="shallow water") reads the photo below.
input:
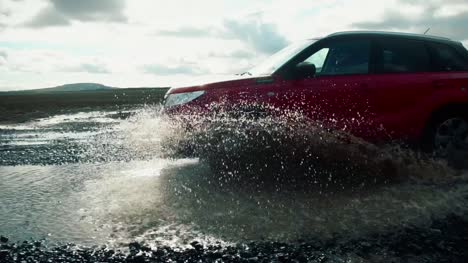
(92, 179)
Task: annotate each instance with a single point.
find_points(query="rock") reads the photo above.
(109, 253)
(139, 259)
(134, 246)
(145, 249)
(3, 239)
(196, 245)
(252, 259)
(4, 254)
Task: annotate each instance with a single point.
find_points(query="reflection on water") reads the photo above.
(178, 201)
(76, 127)
(37, 202)
(174, 201)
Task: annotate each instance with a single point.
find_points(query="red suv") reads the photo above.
(380, 86)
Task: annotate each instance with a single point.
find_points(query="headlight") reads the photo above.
(182, 98)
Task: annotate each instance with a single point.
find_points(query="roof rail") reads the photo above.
(389, 33)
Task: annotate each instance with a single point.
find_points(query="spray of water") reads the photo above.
(275, 178)
(291, 146)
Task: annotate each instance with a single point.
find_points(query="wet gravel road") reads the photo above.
(445, 241)
(89, 187)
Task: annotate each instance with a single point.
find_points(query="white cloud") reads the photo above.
(48, 17)
(163, 70)
(62, 12)
(3, 58)
(252, 31)
(263, 37)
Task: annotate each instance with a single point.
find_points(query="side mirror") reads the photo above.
(304, 70)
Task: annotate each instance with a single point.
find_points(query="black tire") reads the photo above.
(446, 138)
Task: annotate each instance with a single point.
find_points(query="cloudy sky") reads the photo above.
(125, 43)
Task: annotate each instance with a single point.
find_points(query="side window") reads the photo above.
(318, 59)
(403, 56)
(342, 58)
(446, 58)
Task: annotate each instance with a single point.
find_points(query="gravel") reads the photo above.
(445, 240)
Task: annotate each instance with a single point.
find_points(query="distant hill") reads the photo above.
(78, 87)
(81, 88)
(66, 88)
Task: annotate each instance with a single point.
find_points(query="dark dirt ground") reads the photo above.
(444, 241)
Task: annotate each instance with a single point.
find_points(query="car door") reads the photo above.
(450, 77)
(403, 87)
(337, 94)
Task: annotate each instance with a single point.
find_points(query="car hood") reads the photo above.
(211, 81)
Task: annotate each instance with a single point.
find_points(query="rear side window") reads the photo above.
(403, 56)
(447, 58)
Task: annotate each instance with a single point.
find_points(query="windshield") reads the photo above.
(271, 64)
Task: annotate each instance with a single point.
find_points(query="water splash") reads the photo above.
(274, 178)
(290, 143)
(251, 179)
